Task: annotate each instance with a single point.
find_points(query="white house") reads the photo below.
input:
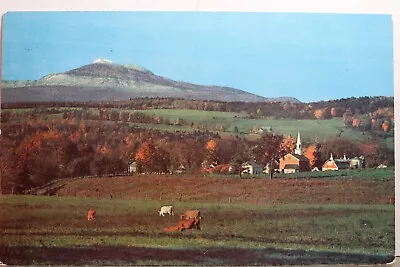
(251, 167)
(133, 167)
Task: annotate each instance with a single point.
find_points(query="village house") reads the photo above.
(251, 167)
(180, 169)
(133, 167)
(265, 129)
(356, 162)
(294, 162)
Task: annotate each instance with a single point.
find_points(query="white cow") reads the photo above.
(166, 210)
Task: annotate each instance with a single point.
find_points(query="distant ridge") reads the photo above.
(103, 80)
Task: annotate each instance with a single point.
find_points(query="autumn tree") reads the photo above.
(211, 152)
(311, 153)
(188, 152)
(268, 148)
(368, 148)
(107, 160)
(151, 158)
(386, 126)
(130, 144)
(347, 118)
(382, 155)
(7, 165)
(288, 145)
(41, 157)
(319, 114)
(365, 123)
(243, 153)
(226, 148)
(337, 111)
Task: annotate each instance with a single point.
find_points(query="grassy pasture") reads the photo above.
(40, 230)
(193, 115)
(308, 128)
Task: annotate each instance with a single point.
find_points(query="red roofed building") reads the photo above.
(342, 164)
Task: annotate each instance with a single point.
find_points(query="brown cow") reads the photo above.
(189, 224)
(190, 214)
(185, 224)
(91, 214)
(171, 229)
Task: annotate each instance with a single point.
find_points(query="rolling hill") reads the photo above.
(105, 81)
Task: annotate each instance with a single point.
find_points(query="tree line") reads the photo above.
(288, 110)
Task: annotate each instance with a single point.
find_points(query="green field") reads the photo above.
(194, 115)
(309, 129)
(44, 230)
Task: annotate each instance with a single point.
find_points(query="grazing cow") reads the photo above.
(190, 214)
(185, 224)
(91, 214)
(189, 224)
(166, 210)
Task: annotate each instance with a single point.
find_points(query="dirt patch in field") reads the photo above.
(209, 189)
(121, 255)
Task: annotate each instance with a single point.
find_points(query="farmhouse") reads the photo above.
(180, 169)
(265, 129)
(252, 167)
(294, 162)
(133, 167)
(272, 166)
(356, 162)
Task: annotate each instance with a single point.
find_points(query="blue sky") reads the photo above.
(308, 56)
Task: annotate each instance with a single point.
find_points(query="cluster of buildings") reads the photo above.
(297, 162)
(290, 163)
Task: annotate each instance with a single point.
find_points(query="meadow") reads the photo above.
(308, 128)
(249, 221)
(267, 234)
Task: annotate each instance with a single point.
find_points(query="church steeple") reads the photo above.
(298, 151)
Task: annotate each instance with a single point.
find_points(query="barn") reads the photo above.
(336, 164)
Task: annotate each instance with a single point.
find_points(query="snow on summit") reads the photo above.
(102, 60)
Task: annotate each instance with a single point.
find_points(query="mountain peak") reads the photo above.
(105, 80)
